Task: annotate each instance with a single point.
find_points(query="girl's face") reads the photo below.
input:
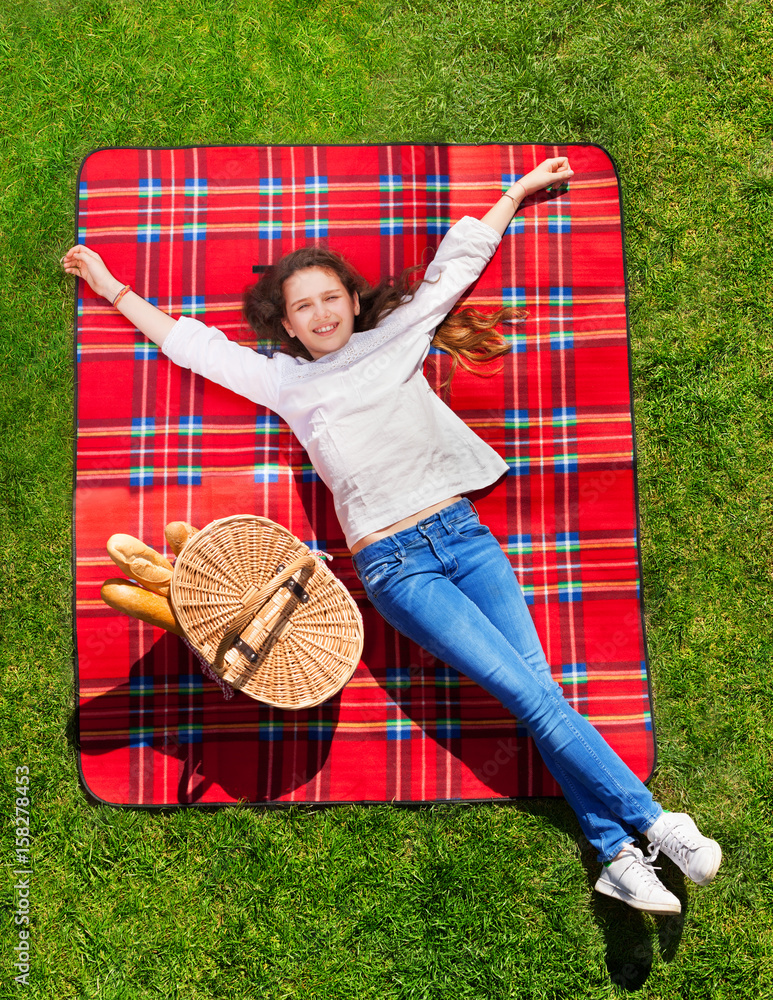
(319, 311)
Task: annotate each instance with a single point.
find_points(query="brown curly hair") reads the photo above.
(468, 335)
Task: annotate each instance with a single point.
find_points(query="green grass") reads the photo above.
(359, 902)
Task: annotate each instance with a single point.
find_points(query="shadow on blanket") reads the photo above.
(172, 716)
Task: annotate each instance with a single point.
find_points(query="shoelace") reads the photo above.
(682, 846)
(648, 868)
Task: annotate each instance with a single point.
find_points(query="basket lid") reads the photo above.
(290, 638)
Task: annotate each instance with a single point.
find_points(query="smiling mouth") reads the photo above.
(322, 331)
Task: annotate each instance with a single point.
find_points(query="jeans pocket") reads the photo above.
(378, 573)
(470, 527)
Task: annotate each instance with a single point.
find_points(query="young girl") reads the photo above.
(398, 462)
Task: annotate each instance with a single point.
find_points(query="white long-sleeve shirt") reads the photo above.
(378, 436)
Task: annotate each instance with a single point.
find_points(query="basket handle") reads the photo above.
(256, 602)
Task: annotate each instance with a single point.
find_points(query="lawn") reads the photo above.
(454, 901)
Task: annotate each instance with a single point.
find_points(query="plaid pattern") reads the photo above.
(186, 227)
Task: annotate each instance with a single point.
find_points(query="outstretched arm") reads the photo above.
(552, 171)
(205, 350)
(87, 264)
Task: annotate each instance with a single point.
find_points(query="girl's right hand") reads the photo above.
(87, 264)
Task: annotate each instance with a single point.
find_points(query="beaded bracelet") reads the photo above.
(120, 295)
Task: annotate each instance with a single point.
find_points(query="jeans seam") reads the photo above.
(572, 782)
(625, 794)
(605, 853)
(594, 780)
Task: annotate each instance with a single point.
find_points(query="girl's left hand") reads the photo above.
(552, 171)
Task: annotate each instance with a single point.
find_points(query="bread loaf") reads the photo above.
(177, 534)
(141, 563)
(140, 603)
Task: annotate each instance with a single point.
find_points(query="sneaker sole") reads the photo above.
(637, 904)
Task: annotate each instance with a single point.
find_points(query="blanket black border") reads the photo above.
(323, 805)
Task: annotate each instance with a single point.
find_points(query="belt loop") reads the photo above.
(442, 515)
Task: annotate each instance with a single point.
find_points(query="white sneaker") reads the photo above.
(677, 836)
(632, 879)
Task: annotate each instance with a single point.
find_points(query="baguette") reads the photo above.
(177, 534)
(141, 563)
(140, 603)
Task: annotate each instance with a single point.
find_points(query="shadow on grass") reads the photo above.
(631, 936)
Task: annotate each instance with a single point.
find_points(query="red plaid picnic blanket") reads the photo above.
(188, 228)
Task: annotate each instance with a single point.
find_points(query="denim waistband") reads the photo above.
(403, 538)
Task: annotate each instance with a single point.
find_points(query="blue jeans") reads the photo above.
(446, 584)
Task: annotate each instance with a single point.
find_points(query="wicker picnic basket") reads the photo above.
(268, 616)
